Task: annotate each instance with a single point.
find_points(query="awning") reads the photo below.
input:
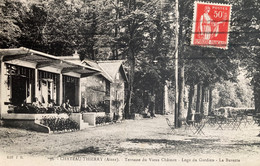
(44, 60)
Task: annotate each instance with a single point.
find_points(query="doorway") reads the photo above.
(19, 89)
(71, 90)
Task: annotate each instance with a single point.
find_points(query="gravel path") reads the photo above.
(146, 137)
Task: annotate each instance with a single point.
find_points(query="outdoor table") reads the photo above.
(231, 120)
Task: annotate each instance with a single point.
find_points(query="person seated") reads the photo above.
(51, 107)
(67, 107)
(23, 108)
(37, 105)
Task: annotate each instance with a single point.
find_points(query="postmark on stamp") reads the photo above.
(211, 25)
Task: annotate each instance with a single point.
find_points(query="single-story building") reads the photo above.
(106, 88)
(27, 75)
(115, 79)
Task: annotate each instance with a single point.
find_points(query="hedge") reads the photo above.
(60, 124)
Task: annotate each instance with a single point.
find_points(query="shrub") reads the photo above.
(60, 124)
(108, 119)
(103, 119)
(138, 104)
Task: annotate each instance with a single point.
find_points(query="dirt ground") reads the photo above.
(133, 140)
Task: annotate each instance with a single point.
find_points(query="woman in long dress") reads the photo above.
(205, 24)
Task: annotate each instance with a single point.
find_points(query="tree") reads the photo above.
(70, 26)
(139, 26)
(203, 66)
(9, 14)
(31, 24)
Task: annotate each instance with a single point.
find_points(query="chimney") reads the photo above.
(76, 55)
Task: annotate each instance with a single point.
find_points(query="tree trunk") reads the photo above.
(198, 101)
(131, 79)
(159, 100)
(257, 93)
(210, 100)
(191, 98)
(181, 97)
(202, 99)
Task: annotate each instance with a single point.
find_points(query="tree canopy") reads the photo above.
(142, 32)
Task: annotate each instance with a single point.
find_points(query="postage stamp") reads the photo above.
(211, 25)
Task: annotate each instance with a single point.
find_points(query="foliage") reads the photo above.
(100, 107)
(103, 119)
(9, 16)
(132, 30)
(138, 103)
(30, 109)
(246, 41)
(232, 94)
(141, 32)
(70, 25)
(60, 124)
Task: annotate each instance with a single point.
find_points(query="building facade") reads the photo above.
(27, 76)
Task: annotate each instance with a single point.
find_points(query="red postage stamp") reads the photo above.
(211, 25)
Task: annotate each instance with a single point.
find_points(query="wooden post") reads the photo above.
(60, 89)
(2, 87)
(79, 91)
(176, 63)
(36, 83)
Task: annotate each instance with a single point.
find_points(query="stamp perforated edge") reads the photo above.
(194, 22)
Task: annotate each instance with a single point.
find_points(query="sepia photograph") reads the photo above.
(130, 82)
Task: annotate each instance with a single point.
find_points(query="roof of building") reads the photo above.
(96, 65)
(109, 68)
(112, 67)
(44, 60)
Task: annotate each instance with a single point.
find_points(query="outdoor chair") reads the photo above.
(198, 123)
(256, 119)
(221, 120)
(188, 124)
(172, 127)
(249, 117)
(212, 120)
(238, 121)
(199, 126)
(246, 120)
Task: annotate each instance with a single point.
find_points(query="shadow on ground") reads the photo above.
(175, 142)
(96, 151)
(156, 146)
(88, 150)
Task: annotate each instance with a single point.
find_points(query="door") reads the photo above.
(19, 89)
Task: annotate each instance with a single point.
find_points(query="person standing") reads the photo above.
(205, 24)
(151, 105)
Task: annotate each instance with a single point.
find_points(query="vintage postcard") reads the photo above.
(129, 82)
